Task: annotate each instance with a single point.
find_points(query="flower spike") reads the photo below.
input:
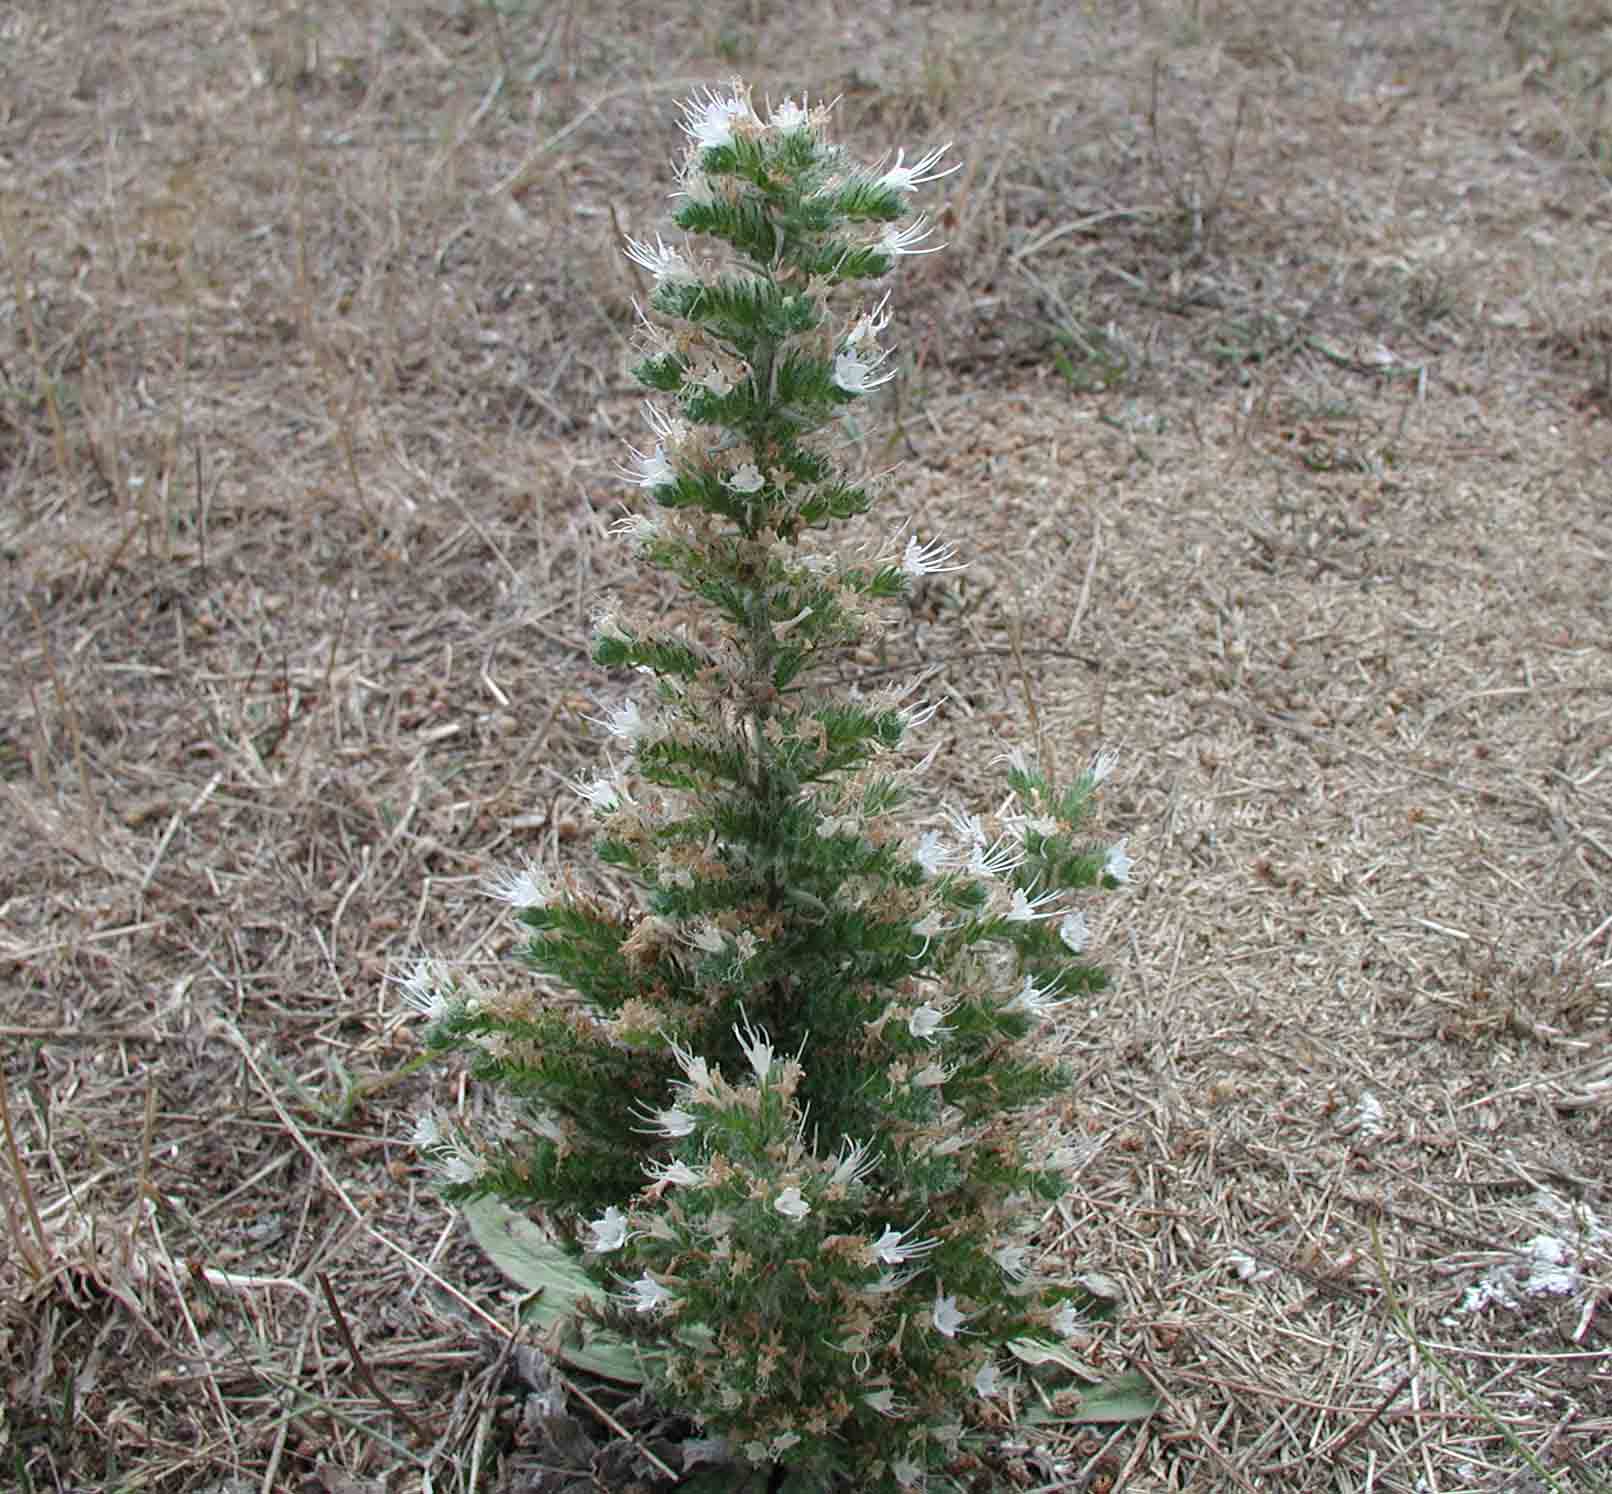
(794, 997)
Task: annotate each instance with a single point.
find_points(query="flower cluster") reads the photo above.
(790, 1113)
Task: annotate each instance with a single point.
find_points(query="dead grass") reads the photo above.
(314, 379)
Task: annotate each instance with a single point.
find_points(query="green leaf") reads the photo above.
(529, 1258)
(533, 1261)
(1039, 1351)
(1124, 1398)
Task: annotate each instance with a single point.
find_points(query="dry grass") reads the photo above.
(1269, 382)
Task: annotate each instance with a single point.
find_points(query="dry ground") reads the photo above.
(1268, 382)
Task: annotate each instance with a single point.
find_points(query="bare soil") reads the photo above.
(1267, 384)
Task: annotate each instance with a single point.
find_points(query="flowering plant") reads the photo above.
(785, 1103)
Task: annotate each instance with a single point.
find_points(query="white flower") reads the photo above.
(925, 1022)
(653, 470)
(707, 936)
(756, 1047)
(676, 1172)
(1013, 1259)
(708, 119)
(1118, 866)
(426, 987)
(523, 887)
(1066, 1321)
(756, 1450)
(694, 184)
(855, 376)
(791, 1205)
(894, 1249)
(693, 1066)
(907, 1473)
(1042, 824)
(664, 263)
(459, 1163)
(928, 560)
(996, 859)
(716, 381)
(905, 178)
(853, 1165)
(626, 722)
(638, 529)
(869, 325)
(608, 1232)
(646, 1294)
(1026, 909)
(945, 1316)
(898, 241)
(931, 1076)
(787, 116)
(914, 716)
(884, 1402)
(933, 854)
(673, 1122)
(1074, 932)
(1102, 765)
(967, 826)
(746, 479)
(987, 1380)
(1033, 999)
(1016, 760)
(604, 794)
(427, 1132)
(668, 429)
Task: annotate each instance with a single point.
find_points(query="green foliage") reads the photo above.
(784, 1103)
